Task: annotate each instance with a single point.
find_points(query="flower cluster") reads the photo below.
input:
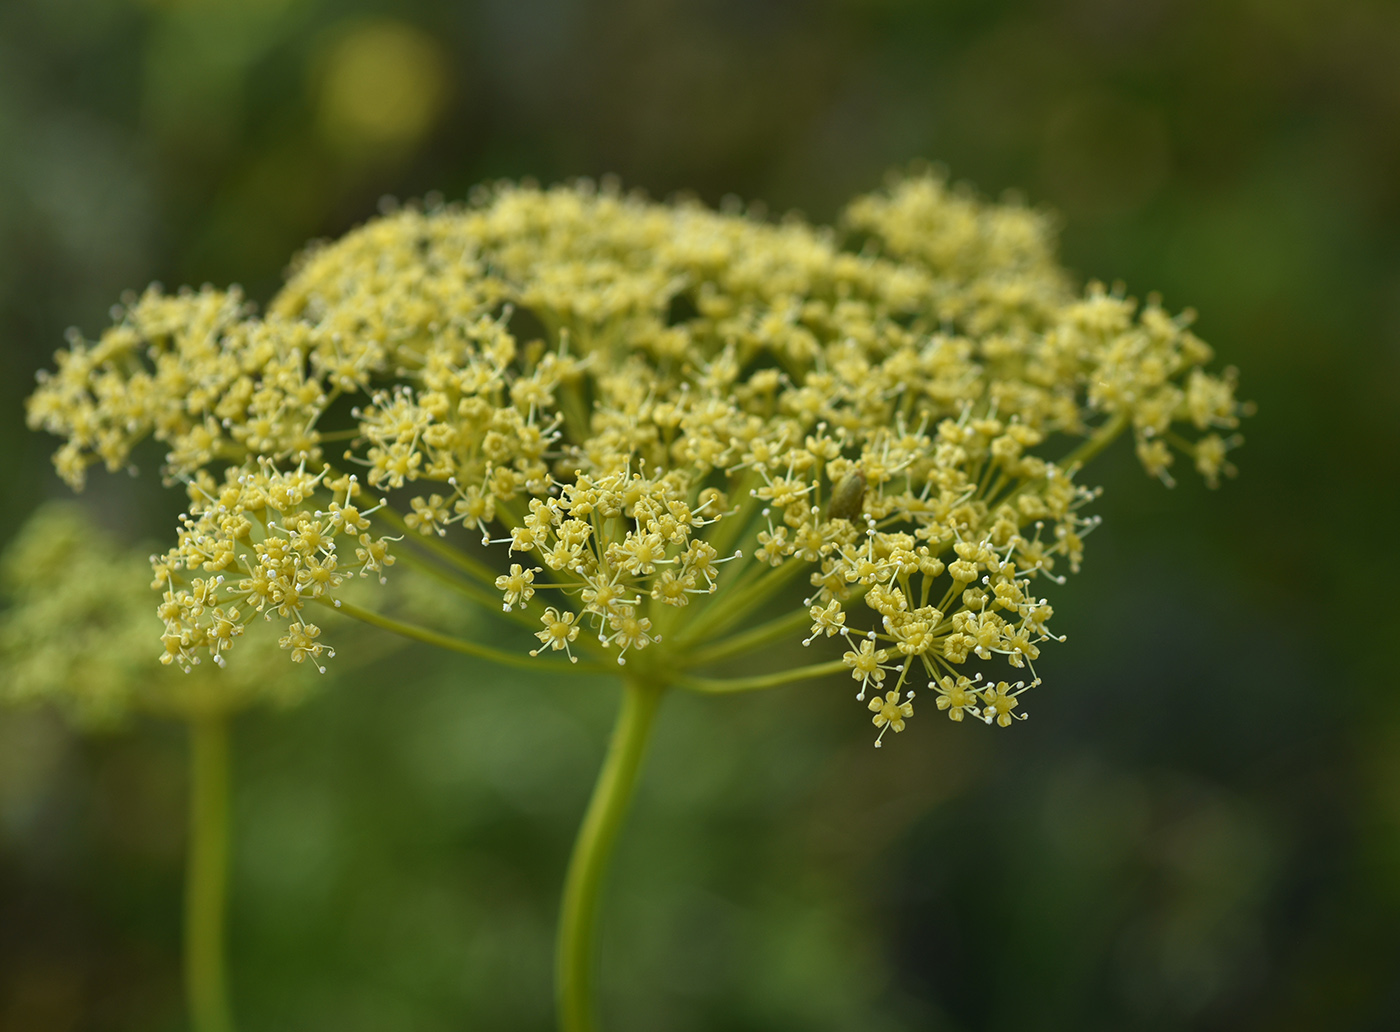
(631, 395)
(78, 628)
(266, 550)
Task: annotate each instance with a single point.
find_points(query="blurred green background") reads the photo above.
(1199, 828)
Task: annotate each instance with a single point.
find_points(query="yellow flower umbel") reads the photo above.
(630, 395)
(660, 422)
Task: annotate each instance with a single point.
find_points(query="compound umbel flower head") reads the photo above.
(657, 419)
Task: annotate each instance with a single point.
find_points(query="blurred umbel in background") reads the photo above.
(1200, 828)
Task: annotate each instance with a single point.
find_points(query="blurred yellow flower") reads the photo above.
(380, 85)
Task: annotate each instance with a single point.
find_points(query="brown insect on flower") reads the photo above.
(847, 497)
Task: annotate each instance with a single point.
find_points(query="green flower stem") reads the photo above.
(732, 529)
(430, 542)
(725, 686)
(1088, 449)
(575, 409)
(446, 641)
(729, 606)
(1097, 442)
(479, 588)
(466, 588)
(574, 961)
(206, 885)
(781, 627)
(483, 574)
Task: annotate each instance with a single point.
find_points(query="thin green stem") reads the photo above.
(474, 568)
(774, 629)
(1097, 442)
(725, 610)
(480, 585)
(732, 529)
(1100, 439)
(468, 589)
(744, 641)
(468, 648)
(575, 963)
(726, 686)
(575, 409)
(206, 879)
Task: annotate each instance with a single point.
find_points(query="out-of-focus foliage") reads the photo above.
(1200, 828)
